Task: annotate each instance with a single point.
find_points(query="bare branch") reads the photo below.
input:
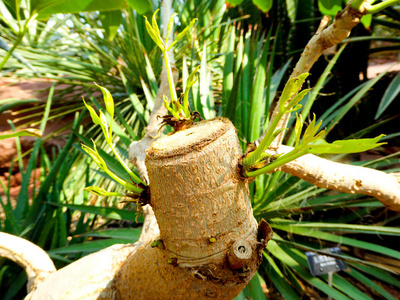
(32, 258)
(345, 178)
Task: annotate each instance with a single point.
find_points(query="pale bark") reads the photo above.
(32, 258)
(211, 242)
(93, 276)
(203, 207)
(345, 178)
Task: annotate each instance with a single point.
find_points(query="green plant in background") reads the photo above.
(303, 216)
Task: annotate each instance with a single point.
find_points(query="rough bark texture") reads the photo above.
(93, 276)
(202, 206)
(211, 242)
(345, 178)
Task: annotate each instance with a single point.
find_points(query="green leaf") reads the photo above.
(154, 36)
(141, 6)
(111, 20)
(154, 23)
(366, 20)
(107, 212)
(390, 94)
(344, 146)
(342, 227)
(23, 132)
(298, 127)
(89, 247)
(132, 234)
(296, 99)
(189, 83)
(45, 8)
(329, 7)
(263, 5)
(101, 192)
(291, 88)
(285, 258)
(93, 114)
(257, 103)
(171, 24)
(182, 33)
(95, 156)
(234, 2)
(278, 279)
(370, 283)
(323, 235)
(255, 288)
(104, 126)
(291, 6)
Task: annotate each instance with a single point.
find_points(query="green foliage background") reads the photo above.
(245, 58)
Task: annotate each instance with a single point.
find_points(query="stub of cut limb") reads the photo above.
(345, 178)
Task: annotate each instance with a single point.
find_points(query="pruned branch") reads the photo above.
(345, 178)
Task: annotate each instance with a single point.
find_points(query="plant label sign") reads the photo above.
(322, 264)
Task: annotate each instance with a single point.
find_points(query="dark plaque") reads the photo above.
(322, 264)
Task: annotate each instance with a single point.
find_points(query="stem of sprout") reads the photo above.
(292, 155)
(170, 78)
(265, 142)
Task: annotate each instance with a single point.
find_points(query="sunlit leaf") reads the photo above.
(141, 6)
(153, 34)
(23, 132)
(101, 192)
(263, 5)
(93, 114)
(111, 20)
(107, 212)
(345, 146)
(182, 33)
(108, 101)
(95, 156)
(329, 7)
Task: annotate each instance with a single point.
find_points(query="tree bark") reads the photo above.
(210, 242)
(345, 178)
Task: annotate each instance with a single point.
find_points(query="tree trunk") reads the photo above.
(209, 244)
(209, 235)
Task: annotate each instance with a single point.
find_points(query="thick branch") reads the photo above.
(345, 178)
(32, 258)
(93, 276)
(324, 38)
